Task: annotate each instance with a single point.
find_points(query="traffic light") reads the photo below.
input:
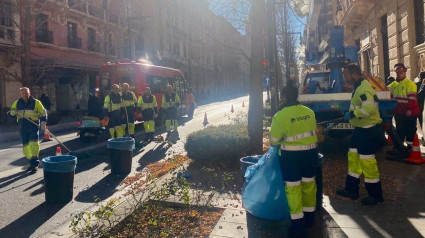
(264, 63)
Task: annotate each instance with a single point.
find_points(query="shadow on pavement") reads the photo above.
(102, 189)
(31, 221)
(20, 162)
(4, 182)
(401, 214)
(153, 155)
(259, 228)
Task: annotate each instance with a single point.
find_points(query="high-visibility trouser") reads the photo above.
(361, 160)
(405, 127)
(298, 171)
(169, 123)
(130, 114)
(115, 124)
(171, 119)
(29, 137)
(148, 120)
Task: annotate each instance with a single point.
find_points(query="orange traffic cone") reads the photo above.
(415, 156)
(58, 151)
(243, 104)
(231, 110)
(46, 136)
(205, 120)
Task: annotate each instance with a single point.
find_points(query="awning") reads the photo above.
(52, 63)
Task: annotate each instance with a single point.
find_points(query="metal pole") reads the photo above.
(129, 31)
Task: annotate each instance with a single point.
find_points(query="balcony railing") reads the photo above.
(77, 5)
(94, 46)
(44, 36)
(354, 11)
(74, 42)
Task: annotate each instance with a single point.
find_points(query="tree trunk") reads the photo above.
(26, 43)
(255, 111)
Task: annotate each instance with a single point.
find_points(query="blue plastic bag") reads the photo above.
(264, 196)
(61, 164)
(124, 143)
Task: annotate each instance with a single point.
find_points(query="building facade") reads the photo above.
(71, 39)
(187, 35)
(10, 61)
(386, 32)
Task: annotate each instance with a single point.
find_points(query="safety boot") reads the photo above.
(344, 193)
(32, 168)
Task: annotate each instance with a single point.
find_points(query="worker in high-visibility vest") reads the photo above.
(170, 103)
(294, 130)
(149, 107)
(365, 140)
(112, 108)
(129, 102)
(407, 110)
(24, 109)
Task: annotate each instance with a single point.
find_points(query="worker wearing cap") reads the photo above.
(170, 103)
(129, 102)
(94, 105)
(149, 107)
(406, 111)
(365, 140)
(293, 129)
(112, 108)
(29, 112)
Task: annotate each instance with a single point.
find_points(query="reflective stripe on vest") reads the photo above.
(298, 147)
(299, 136)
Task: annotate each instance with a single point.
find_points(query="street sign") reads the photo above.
(266, 80)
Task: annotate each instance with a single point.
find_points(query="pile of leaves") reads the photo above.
(169, 220)
(156, 170)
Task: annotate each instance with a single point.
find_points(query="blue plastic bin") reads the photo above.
(59, 178)
(121, 154)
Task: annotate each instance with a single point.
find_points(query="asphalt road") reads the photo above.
(23, 210)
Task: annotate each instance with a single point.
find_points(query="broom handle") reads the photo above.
(50, 133)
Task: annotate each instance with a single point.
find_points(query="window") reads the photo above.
(92, 45)
(157, 84)
(73, 40)
(6, 14)
(419, 21)
(42, 33)
(105, 81)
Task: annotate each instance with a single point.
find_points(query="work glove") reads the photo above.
(349, 115)
(43, 126)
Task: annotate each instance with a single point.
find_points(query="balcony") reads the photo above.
(74, 42)
(355, 11)
(44, 36)
(77, 5)
(93, 46)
